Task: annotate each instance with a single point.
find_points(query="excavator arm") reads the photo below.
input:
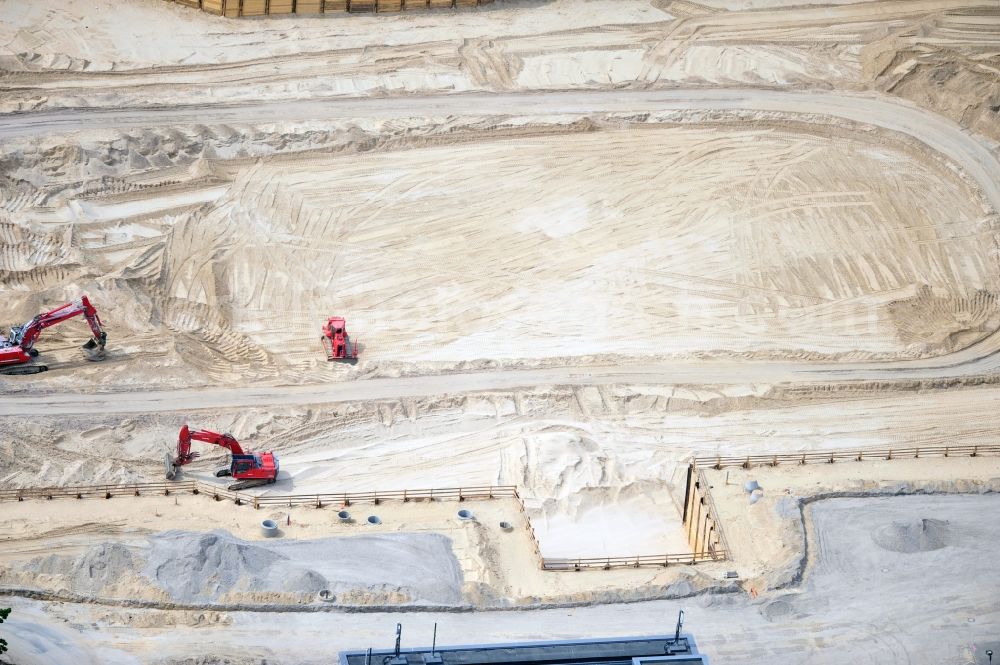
(250, 469)
(186, 436)
(25, 336)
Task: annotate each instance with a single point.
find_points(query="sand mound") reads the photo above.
(192, 567)
(195, 568)
(95, 571)
(922, 535)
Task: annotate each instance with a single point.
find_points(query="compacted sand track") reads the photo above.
(834, 310)
(566, 273)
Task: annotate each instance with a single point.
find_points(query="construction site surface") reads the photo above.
(535, 320)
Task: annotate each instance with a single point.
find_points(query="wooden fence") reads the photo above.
(607, 563)
(237, 8)
(855, 455)
(320, 499)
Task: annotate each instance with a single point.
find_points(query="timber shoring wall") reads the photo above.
(238, 8)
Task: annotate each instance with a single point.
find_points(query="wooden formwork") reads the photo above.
(237, 8)
(308, 6)
(253, 8)
(280, 7)
(701, 520)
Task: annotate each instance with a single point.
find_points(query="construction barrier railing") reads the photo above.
(219, 493)
(855, 455)
(237, 8)
(531, 529)
(91, 491)
(607, 563)
(318, 500)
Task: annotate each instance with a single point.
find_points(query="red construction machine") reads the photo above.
(17, 349)
(251, 469)
(336, 341)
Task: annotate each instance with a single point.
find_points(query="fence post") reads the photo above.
(975, 451)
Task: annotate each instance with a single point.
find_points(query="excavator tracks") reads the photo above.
(247, 484)
(24, 370)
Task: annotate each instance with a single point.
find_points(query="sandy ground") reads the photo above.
(822, 620)
(775, 299)
(600, 469)
(166, 551)
(765, 536)
(941, 54)
(578, 241)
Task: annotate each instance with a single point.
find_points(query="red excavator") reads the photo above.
(251, 469)
(18, 348)
(336, 340)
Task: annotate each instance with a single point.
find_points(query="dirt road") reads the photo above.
(976, 155)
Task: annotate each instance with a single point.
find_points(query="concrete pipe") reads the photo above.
(269, 528)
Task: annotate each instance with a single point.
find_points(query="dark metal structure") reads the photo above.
(675, 649)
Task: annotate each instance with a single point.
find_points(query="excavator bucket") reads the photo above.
(170, 467)
(94, 350)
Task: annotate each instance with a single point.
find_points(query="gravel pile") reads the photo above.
(922, 535)
(193, 568)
